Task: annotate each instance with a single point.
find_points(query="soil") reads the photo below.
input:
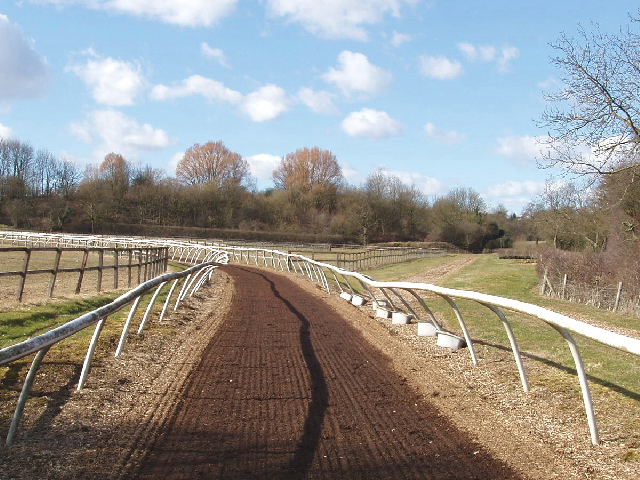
(264, 375)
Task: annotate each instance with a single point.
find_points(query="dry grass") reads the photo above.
(36, 285)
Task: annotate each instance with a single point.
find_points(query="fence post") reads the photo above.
(564, 286)
(129, 266)
(54, 272)
(116, 268)
(23, 274)
(617, 303)
(100, 268)
(85, 257)
(543, 286)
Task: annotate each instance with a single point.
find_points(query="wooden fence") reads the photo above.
(374, 257)
(138, 265)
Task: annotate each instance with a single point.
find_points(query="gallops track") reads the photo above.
(287, 389)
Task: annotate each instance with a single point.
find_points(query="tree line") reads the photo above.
(213, 189)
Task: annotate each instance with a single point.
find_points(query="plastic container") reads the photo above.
(449, 340)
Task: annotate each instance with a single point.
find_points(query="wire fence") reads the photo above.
(615, 298)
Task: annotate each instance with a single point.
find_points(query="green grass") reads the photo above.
(400, 270)
(608, 368)
(27, 322)
(30, 321)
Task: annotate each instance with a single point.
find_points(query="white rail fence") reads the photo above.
(401, 301)
(192, 279)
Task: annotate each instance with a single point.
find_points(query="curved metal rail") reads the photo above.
(391, 297)
(192, 279)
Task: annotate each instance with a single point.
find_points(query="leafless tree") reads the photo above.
(594, 119)
(213, 163)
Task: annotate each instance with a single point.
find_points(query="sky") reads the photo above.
(442, 94)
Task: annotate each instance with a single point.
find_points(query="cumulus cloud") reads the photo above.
(173, 163)
(515, 196)
(489, 53)
(112, 82)
(440, 68)
(337, 18)
(113, 131)
(318, 101)
(398, 39)
(262, 165)
(523, 150)
(197, 85)
(23, 72)
(373, 124)
(516, 189)
(449, 137)
(355, 75)
(427, 185)
(265, 104)
(191, 13)
(214, 54)
(5, 132)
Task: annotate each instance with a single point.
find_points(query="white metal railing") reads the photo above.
(405, 299)
(192, 279)
(408, 300)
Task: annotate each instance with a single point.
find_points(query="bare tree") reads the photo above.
(212, 162)
(312, 174)
(594, 119)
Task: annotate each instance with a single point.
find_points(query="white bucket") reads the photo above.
(426, 329)
(378, 304)
(450, 340)
(382, 313)
(399, 318)
(346, 296)
(357, 300)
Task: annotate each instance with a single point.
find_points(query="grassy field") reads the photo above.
(609, 369)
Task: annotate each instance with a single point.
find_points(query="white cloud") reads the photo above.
(449, 137)
(187, 13)
(173, 163)
(522, 150)
(508, 53)
(214, 54)
(356, 75)
(490, 53)
(373, 124)
(440, 68)
(112, 82)
(318, 101)
(514, 196)
(398, 39)
(262, 165)
(5, 132)
(197, 85)
(265, 104)
(516, 189)
(337, 18)
(23, 72)
(427, 185)
(112, 131)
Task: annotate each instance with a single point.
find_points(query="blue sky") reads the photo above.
(442, 94)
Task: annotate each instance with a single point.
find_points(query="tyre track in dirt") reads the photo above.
(286, 389)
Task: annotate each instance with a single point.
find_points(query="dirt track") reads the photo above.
(288, 389)
(263, 374)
